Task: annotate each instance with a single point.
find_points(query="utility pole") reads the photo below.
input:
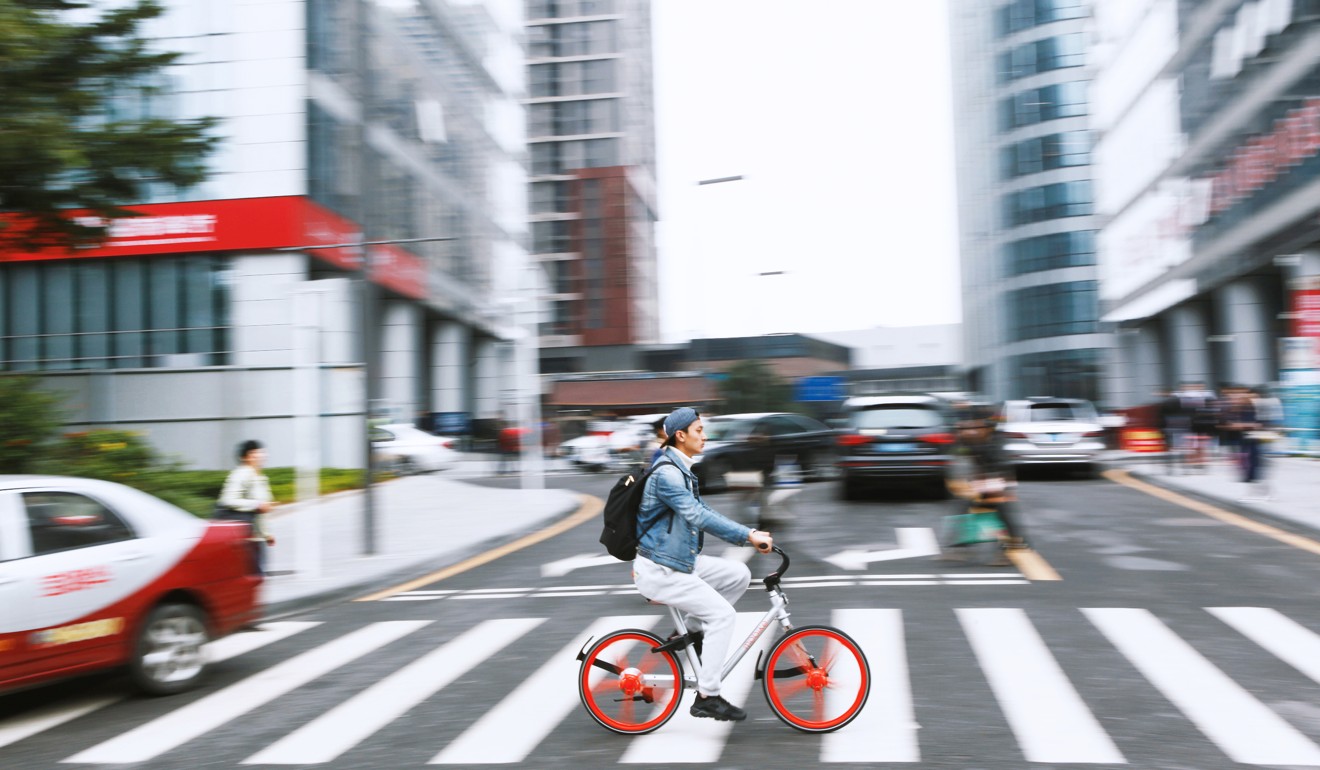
(367, 194)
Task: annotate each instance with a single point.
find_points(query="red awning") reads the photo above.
(639, 392)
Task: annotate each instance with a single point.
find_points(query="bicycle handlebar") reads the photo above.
(772, 580)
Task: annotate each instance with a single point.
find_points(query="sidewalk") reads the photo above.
(1293, 484)
(422, 523)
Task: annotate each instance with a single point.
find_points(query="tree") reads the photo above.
(29, 423)
(78, 128)
(752, 386)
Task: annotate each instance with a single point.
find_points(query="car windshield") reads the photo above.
(896, 416)
(727, 430)
(1058, 411)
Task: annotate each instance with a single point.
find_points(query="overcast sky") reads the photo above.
(838, 115)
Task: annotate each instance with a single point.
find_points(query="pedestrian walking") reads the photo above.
(246, 497)
(990, 484)
(670, 567)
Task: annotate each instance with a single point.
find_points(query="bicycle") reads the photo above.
(815, 678)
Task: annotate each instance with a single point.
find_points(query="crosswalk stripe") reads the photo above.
(687, 739)
(1048, 717)
(510, 732)
(1282, 636)
(244, 642)
(1243, 727)
(886, 730)
(343, 727)
(56, 714)
(154, 738)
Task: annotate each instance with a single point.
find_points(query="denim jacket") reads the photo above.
(674, 541)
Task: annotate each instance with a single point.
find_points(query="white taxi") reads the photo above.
(97, 575)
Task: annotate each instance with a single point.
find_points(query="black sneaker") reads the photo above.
(717, 708)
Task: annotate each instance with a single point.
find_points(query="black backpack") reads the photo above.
(619, 535)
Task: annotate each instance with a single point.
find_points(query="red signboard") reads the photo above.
(1263, 158)
(243, 224)
(1306, 307)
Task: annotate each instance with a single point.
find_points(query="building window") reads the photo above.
(1052, 53)
(550, 198)
(551, 237)
(1038, 105)
(561, 319)
(567, 9)
(1046, 153)
(586, 38)
(1052, 201)
(1054, 310)
(1050, 252)
(572, 78)
(123, 313)
(592, 116)
(565, 157)
(1025, 14)
(560, 276)
(593, 253)
(1059, 374)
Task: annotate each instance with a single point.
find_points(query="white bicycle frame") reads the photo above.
(778, 611)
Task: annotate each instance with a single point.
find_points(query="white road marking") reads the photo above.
(1227, 714)
(56, 714)
(510, 731)
(1284, 637)
(886, 730)
(1051, 721)
(346, 725)
(158, 736)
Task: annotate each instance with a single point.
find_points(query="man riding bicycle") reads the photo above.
(670, 568)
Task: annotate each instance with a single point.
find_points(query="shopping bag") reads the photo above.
(975, 527)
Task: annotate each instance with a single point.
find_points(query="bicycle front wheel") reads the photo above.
(626, 687)
(816, 679)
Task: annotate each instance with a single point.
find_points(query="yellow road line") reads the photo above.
(590, 509)
(1031, 564)
(1237, 520)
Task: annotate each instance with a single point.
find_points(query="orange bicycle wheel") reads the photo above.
(816, 679)
(628, 688)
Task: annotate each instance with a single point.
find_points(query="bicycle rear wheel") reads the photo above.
(626, 687)
(816, 679)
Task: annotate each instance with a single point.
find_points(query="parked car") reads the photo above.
(898, 438)
(404, 448)
(756, 442)
(612, 444)
(1052, 431)
(96, 575)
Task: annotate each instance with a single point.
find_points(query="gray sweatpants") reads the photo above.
(707, 595)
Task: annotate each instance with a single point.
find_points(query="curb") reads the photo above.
(431, 563)
(1274, 519)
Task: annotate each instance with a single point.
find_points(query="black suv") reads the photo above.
(757, 442)
(901, 438)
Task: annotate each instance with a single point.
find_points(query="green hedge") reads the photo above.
(126, 457)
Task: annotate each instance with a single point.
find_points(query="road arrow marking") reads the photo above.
(912, 542)
(565, 566)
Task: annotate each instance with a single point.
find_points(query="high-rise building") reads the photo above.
(591, 133)
(1027, 230)
(233, 310)
(1209, 170)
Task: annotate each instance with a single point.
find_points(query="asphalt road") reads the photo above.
(1172, 640)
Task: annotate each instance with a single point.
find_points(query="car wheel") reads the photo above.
(169, 655)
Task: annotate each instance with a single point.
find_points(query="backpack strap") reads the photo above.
(646, 478)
